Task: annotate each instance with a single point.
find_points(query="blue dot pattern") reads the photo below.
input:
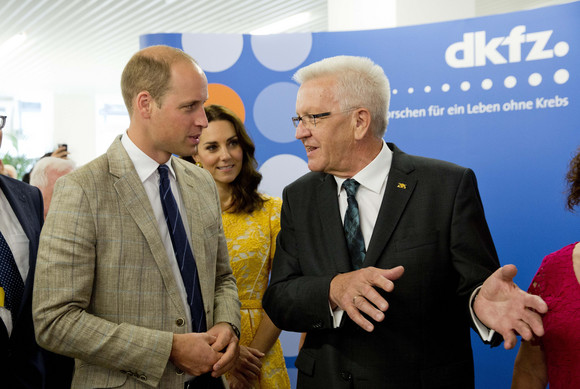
(182, 250)
(10, 278)
(352, 230)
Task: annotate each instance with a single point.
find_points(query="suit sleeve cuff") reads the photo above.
(336, 316)
(485, 333)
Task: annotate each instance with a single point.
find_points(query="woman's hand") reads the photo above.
(246, 369)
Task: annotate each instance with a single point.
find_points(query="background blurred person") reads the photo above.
(61, 151)
(46, 172)
(251, 223)
(555, 357)
(9, 170)
(23, 364)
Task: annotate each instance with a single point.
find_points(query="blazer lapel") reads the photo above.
(18, 202)
(400, 186)
(332, 231)
(133, 196)
(28, 222)
(192, 202)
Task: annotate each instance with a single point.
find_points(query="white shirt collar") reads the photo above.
(374, 175)
(144, 165)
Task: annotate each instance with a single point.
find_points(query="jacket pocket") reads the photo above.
(305, 363)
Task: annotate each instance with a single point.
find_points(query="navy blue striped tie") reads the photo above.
(182, 249)
(10, 279)
(352, 231)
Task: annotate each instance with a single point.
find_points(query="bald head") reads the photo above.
(150, 70)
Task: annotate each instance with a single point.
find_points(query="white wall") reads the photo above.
(348, 15)
(75, 124)
(412, 12)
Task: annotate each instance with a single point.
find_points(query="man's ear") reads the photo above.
(362, 118)
(144, 104)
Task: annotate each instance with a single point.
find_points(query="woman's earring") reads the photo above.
(199, 164)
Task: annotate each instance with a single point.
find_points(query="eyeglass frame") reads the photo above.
(296, 119)
(2, 121)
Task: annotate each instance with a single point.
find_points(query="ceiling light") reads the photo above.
(283, 25)
(13, 43)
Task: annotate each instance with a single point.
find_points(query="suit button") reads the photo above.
(180, 322)
(345, 375)
(143, 377)
(178, 371)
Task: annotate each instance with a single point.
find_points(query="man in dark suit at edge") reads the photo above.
(415, 265)
(23, 364)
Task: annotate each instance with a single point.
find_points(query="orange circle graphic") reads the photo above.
(226, 96)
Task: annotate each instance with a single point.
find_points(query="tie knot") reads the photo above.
(350, 186)
(163, 171)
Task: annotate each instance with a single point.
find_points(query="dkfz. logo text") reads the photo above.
(476, 50)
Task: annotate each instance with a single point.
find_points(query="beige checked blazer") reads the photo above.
(104, 291)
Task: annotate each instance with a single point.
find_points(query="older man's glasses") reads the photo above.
(2, 121)
(309, 121)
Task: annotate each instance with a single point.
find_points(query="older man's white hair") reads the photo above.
(39, 174)
(360, 83)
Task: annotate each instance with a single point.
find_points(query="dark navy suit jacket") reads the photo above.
(23, 364)
(432, 222)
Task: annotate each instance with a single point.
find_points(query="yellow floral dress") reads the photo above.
(251, 242)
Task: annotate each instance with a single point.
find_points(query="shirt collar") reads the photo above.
(374, 175)
(144, 165)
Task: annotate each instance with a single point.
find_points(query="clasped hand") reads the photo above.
(355, 292)
(213, 351)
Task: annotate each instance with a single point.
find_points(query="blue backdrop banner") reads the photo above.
(498, 94)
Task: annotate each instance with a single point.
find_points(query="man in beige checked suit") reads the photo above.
(108, 290)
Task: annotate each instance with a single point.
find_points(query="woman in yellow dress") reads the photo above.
(251, 223)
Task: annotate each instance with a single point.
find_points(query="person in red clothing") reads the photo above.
(555, 358)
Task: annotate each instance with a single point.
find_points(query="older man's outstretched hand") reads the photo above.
(502, 306)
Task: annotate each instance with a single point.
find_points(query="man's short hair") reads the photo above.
(150, 72)
(360, 83)
(39, 174)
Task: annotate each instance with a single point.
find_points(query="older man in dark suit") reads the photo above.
(23, 364)
(398, 242)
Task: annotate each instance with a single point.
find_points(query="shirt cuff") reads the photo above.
(336, 316)
(485, 333)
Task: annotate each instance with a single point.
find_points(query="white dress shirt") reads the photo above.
(18, 243)
(370, 194)
(147, 170)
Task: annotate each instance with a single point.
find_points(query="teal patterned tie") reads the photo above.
(352, 231)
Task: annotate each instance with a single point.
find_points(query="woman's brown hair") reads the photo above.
(573, 181)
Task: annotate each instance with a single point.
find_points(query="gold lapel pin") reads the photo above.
(402, 185)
